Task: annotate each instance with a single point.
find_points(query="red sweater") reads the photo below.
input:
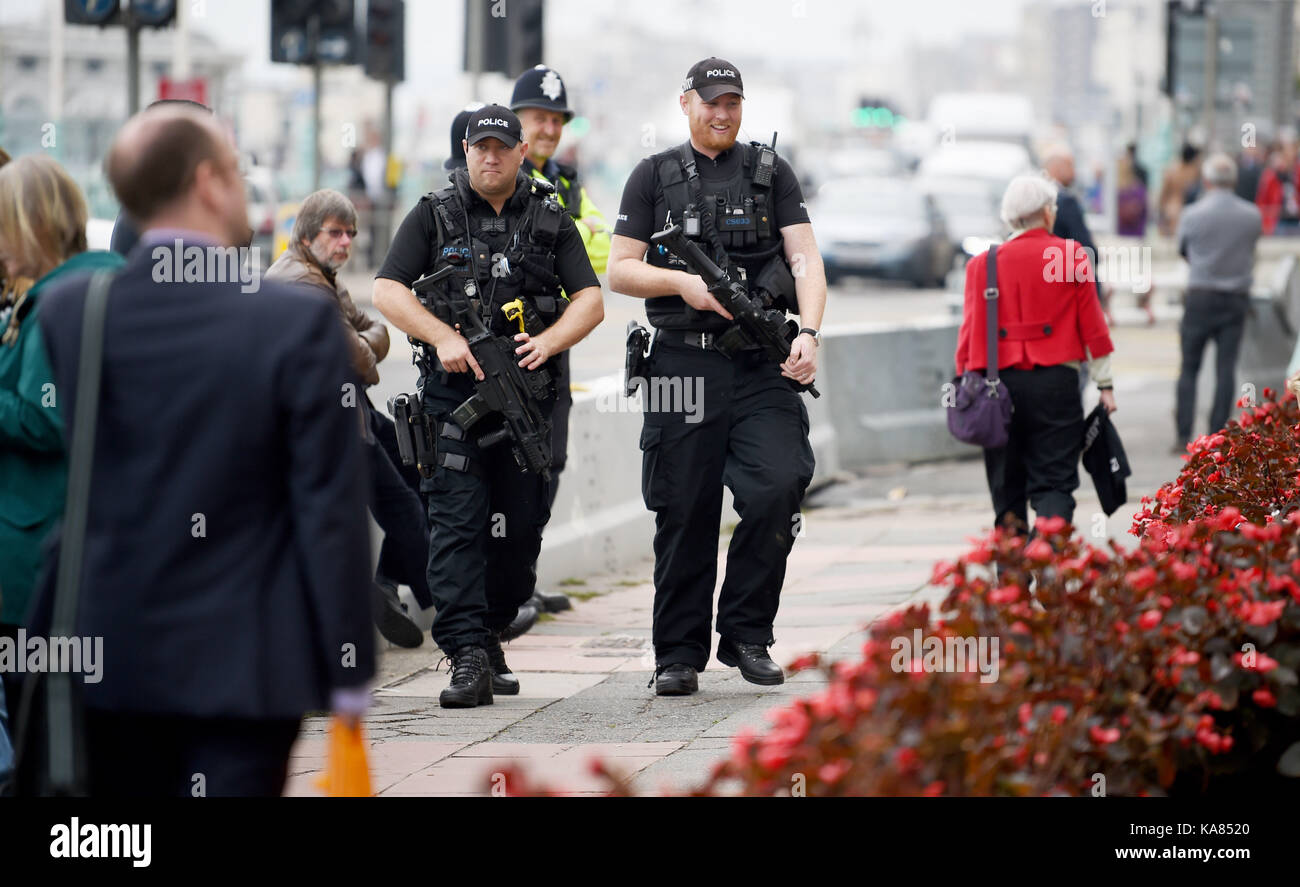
(1047, 309)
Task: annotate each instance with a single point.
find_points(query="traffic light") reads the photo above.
(292, 28)
(90, 12)
(153, 13)
(386, 40)
(145, 13)
(507, 38)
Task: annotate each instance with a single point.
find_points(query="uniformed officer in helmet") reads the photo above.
(750, 427)
(542, 103)
(485, 514)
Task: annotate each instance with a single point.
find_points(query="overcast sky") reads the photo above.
(793, 28)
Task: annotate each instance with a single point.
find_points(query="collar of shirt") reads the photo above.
(476, 204)
(156, 236)
(724, 158)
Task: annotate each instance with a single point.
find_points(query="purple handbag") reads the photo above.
(980, 411)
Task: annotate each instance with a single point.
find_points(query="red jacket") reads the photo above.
(1269, 196)
(1047, 308)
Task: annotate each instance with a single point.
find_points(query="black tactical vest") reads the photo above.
(733, 219)
(528, 269)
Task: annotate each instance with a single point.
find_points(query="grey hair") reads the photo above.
(1026, 196)
(317, 208)
(1219, 170)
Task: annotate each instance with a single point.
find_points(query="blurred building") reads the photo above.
(94, 100)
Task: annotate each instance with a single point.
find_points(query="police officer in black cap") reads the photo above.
(526, 615)
(743, 206)
(485, 515)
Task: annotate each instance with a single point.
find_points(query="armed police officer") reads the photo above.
(742, 206)
(542, 103)
(494, 250)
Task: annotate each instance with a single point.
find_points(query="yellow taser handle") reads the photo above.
(515, 311)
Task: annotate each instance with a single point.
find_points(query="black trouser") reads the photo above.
(485, 527)
(136, 755)
(560, 425)
(747, 429)
(1040, 462)
(404, 555)
(1220, 316)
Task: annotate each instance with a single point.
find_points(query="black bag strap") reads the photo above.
(64, 773)
(991, 313)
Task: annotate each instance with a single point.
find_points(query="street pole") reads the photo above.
(1211, 72)
(389, 194)
(56, 66)
(132, 65)
(313, 39)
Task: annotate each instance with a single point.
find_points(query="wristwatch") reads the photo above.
(817, 336)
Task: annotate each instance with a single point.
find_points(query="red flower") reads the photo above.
(933, 790)
(1025, 712)
(1004, 595)
(1141, 580)
(1039, 550)
(1059, 714)
(1049, 526)
(906, 759)
(1262, 663)
(1149, 620)
(1103, 736)
(1264, 698)
(831, 773)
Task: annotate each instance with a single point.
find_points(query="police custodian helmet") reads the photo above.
(541, 87)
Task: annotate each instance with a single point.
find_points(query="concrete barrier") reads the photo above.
(881, 402)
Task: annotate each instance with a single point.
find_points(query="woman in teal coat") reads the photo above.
(42, 242)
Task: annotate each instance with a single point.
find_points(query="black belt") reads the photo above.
(694, 338)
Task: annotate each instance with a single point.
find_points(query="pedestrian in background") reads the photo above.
(226, 548)
(1048, 325)
(320, 245)
(1278, 197)
(42, 242)
(1217, 236)
(1177, 185)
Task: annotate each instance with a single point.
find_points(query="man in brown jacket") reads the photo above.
(320, 245)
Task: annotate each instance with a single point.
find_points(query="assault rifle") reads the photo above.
(755, 326)
(507, 389)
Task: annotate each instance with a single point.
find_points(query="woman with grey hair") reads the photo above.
(1048, 322)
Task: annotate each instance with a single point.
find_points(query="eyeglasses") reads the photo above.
(336, 233)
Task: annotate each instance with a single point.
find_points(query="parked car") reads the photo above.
(993, 164)
(881, 228)
(970, 212)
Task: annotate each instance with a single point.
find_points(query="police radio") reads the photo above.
(766, 163)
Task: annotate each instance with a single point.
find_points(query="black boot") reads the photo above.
(550, 601)
(524, 619)
(755, 665)
(390, 616)
(471, 680)
(676, 679)
(504, 683)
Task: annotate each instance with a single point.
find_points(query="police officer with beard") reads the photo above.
(742, 204)
(485, 515)
(542, 103)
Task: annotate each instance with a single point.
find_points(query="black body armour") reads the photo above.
(524, 269)
(731, 220)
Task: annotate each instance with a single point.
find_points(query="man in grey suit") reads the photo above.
(1217, 236)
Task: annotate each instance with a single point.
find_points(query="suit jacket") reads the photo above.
(1042, 321)
(1071, 226)
(227, 562)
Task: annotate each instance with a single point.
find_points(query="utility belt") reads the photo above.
(418, 434)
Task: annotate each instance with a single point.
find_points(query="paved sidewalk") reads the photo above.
(584, 672)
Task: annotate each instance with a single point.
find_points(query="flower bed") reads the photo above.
(1170, 668)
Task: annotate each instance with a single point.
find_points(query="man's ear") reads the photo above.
(685, 103)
